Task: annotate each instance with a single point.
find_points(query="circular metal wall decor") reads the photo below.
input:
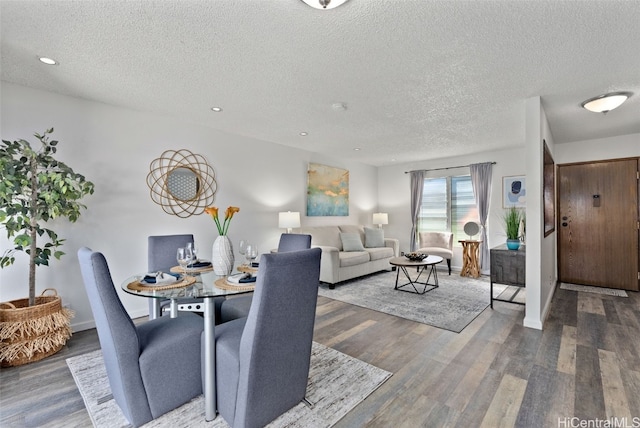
(182, 183)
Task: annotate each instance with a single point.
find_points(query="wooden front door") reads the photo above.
(598, 223)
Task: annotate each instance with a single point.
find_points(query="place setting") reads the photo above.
(245, 279)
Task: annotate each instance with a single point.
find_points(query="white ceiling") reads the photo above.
(421, 79)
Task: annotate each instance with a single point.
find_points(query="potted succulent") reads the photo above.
(35, 188)
(512, 218)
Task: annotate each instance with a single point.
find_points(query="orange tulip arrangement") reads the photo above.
(224, 227)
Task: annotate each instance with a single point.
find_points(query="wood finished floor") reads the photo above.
(585, 364)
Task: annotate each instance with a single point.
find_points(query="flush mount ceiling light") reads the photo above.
(324, 4)
(216, 109)
(48, 61)
(607, 102)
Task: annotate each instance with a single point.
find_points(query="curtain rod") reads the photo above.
(439, 169)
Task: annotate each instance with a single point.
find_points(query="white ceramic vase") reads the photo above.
(222, 256)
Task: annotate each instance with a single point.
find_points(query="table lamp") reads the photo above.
(380, 219)
(288, 220)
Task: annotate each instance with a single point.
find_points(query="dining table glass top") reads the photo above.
(196, 285)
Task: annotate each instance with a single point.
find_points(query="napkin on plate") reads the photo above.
(160, 278)
(241, 278)
(199, 264)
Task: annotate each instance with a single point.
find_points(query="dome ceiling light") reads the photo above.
(607, 102)
(324, 4)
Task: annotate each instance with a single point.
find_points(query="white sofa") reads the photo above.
(337, 265)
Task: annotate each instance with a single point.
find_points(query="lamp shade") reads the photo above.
(607, 102)
(288, 220)
(380, 218)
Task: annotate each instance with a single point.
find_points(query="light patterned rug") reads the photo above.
(591, 289)
(452, 306)
(337, 383)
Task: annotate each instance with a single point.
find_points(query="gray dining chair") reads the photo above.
(262, 360)
(238, 307)
(153, 367)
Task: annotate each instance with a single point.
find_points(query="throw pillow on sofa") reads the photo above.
(373, 238)
(351, 242)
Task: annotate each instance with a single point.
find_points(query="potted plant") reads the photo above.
(35, 188)
(512, 219)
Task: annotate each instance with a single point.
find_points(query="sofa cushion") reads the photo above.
(352, 258)
(323, 235)
(353, 228)
(373, 238)
(379, 253)
(351, 242)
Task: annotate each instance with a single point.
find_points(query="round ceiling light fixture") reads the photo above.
(607, 102)
(216, 109)
(48, 61)
(324, 4)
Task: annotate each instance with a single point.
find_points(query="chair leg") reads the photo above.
(449, 265)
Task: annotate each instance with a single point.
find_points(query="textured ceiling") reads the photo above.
(420, 79)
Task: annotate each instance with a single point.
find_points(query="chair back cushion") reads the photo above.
(436, 239)
(118, 337)
(293, 242)
(275, 348)
(162, 249)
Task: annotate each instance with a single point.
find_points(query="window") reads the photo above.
(447, 204)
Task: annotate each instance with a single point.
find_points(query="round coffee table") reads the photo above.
(428, 264)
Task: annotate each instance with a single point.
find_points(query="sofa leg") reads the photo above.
(332, 286)
(449, 265)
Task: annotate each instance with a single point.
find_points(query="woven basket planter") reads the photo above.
(31, 333)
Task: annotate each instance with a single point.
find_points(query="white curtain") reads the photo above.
(417, 184)
(481, 182)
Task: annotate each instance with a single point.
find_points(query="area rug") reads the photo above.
(452, 306)
(337, 383)
(591, 289)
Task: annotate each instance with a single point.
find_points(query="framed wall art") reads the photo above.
(327, 191)
(514, 192)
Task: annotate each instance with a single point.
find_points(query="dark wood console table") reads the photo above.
(508, 267)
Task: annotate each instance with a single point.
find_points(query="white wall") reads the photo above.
(395, 197)
(623, 146)
(113, 147)
(541, 264)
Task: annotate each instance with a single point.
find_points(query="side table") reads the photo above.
(508, 267)
(470, 256)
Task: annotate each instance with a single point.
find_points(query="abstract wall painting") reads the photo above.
(514, 192)
(327, 191)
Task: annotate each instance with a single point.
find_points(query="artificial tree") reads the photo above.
(35, 188)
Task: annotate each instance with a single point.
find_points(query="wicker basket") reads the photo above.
(31, 333)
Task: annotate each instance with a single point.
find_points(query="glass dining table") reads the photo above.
(202, 285)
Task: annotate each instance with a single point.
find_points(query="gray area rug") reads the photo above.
(597, 290)
(452, 306)
(337, 383)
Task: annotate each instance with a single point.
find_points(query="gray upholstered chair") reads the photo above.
(152, 367)
(262, 361)
(238, 307)
(437, 244)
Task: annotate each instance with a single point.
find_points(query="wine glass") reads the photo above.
(194, 252)
(184, 257)
(242, 247)
(251, 253)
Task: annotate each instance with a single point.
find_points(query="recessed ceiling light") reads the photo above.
(216, 109)
(357, 149)
(339, 106)
(48, 61)
(304, 134)
(607, 102)
(324, 4)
